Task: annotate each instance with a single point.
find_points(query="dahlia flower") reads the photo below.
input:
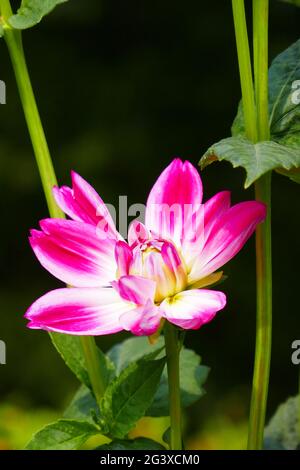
(162, 272)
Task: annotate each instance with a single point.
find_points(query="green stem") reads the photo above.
(92, 362)
(13, 40)
(263, 238)
(260, 50)
(173, 354)
(245, 69)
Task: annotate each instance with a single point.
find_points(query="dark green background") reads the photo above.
(122, 88)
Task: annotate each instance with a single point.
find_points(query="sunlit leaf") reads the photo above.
(130, 394)
(63, 435)
(257, 159)
(31, 12)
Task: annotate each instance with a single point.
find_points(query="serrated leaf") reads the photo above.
(257, 159)
(140, 443)
(128, 397)
(192, 374)
(82, 406)
(70, 349)
(283, 430)
(284, 99)
(31, 12)
(293, 174)
(64, 434)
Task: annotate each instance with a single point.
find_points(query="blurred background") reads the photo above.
(122, 88)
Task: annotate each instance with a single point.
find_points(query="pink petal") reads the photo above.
(177, 190)
(82, 203)
(201, 226)
(123, 255)
(193, 308)
(227, 236)
(144, 320)
(137, 233)
(73, 253)
(135, 289)
(85, 311)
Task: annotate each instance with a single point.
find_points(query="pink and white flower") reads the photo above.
(160, 273)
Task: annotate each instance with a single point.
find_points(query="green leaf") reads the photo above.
(131, 350)
(128, 397)
(64, 434)
(283, 430)
(1, 31)
(192, 377)
(284, 96)
(293, 174)
(140, 443)
(284, 99)
(70, 349)
(192, 374)
(257, 159)
(31, 12)
(83, 406)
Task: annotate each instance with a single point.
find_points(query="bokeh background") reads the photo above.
(122, 88)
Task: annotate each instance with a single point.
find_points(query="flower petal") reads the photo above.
(193, 308)
(85, 311)
(73, 253)
(227, 236)
(144, 320)
(137, 233)
(82, 203)
(177, 190)
(135, 289)
(123, 255)
(199, 228)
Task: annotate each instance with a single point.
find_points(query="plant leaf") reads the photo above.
(284, 96)
(70, 349)
(283, 430)
(140, 443)
(128, 397)
(284, 99)
(31, 12)
(192, 374)
(192, 377)
(83, 406)
(64, 434)
(257, 159)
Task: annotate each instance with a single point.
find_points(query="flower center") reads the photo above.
(159, 261)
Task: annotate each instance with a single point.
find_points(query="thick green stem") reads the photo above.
(245, 69)
(263, 321)
(173, 353)
(92, 361)
(255, 109)
(13, 40)
(263, 238)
